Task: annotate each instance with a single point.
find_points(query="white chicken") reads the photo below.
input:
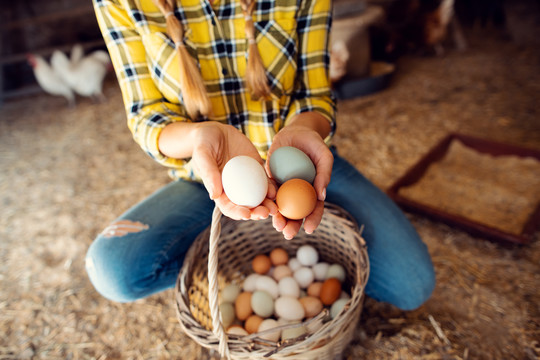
(50, 81)
(83, 74)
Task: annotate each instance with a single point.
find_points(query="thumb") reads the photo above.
(208, 170)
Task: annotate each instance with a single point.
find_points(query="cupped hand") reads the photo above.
(214, 145)
(311, 143)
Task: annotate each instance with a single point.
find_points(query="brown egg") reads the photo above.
(261, 264)
(330, 291)
(312, 305)
(279, 256)
(242, 306)
(314, 289)
(252, 323)
(296, 199)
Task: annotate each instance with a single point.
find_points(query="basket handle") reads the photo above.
(213, 291)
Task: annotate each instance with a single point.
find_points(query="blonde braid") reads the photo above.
(196, 100)
(256, 79)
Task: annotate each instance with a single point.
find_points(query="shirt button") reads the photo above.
(224, 71)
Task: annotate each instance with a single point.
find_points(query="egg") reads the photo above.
(261, 264)
(281, 271)
(330, 291)
(267, 284)
(237, 330)
(304, 277)
(262, 304)
(337, 306)
(314, 289)
(320, 270)
(336, 271)
(289, 287)
(244, 181)
(307, 255)
(249, 282)
(226, 310)
(288, 162)
(252, 323)
(289, 308)
(292, 333)
(242, 306)
(296, 199)
(268, 324)
(279, 256)
(312, 305)
(294, 264)
(230, 292)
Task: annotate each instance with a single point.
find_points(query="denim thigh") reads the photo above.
(142, 251)
(401, 271)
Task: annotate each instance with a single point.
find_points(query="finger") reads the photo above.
(324, 172)
(279, 222)
(291, 229)
(314, 219)
(232, 210)
(259, 213)
(208, 170)
(271, 206)
(272, 189)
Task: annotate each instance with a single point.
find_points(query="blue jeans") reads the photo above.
(142, 252)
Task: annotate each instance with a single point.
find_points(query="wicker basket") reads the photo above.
(337, 240)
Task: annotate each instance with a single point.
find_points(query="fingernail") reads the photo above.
(323, 194)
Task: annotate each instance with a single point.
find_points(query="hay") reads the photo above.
(67, 172)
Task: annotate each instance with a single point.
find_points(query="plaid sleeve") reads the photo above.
(313, 92)
(147, 112)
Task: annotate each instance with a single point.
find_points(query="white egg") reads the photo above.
(268, 324)
(304, 276)
(289, 287)
(250, 281)
(344, 295)
(237, 330)
(337, 306)
(244, 181)
(319, 270)
(292, 333)
(294, 264)
(307, 255)
(268, 284)
(289, 308)
(336, 271)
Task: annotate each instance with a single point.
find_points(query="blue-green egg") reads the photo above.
(288, 162)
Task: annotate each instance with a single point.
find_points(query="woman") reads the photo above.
(204, 81)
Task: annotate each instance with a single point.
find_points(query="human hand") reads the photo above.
(214, 145)
(310, 142)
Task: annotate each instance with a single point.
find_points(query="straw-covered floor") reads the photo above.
(67, 172)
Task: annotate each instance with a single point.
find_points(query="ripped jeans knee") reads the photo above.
(110, 261)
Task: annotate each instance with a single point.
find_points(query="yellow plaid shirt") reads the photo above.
(292, 37)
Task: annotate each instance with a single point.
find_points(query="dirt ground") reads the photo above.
(67, 172)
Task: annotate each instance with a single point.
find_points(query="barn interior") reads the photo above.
(68, 171)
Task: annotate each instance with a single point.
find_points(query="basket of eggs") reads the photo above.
(247, 293)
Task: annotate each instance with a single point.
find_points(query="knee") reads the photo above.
(407, 288)
(108, 272)
(417, 290)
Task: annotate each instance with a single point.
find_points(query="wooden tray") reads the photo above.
(416, 172)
